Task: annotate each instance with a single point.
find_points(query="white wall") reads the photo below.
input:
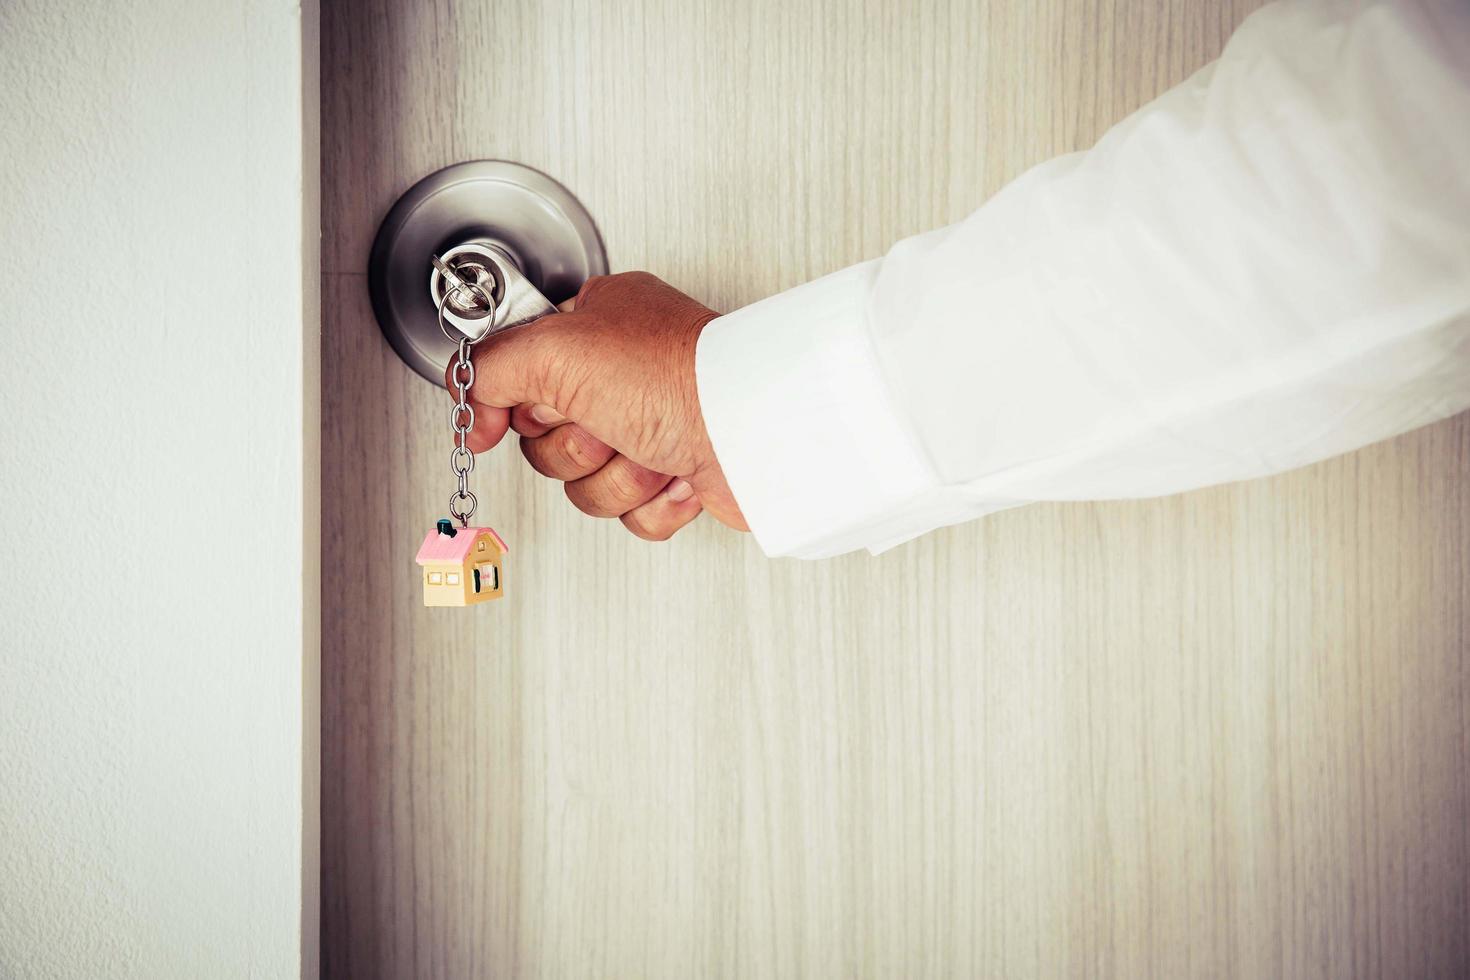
(157, 712)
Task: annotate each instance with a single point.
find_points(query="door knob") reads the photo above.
(512, 229)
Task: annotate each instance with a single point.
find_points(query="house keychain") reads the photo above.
(462, 565)
(488, 236)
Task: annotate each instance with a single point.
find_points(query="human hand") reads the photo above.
(604, 399)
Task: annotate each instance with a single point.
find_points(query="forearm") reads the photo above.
(1268, 265)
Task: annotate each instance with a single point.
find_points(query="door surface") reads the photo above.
(1223, 733)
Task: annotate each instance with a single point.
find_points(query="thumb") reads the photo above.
(533, 363)
(565, 306)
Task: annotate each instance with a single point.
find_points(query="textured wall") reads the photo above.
(151, 386)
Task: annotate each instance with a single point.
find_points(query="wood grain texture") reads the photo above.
(1218, 734)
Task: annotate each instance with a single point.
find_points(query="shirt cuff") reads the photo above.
(803, 426)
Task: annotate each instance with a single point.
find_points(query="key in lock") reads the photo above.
(465, 276)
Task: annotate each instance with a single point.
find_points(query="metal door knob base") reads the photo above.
(536, 221)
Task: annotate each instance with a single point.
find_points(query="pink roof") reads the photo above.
(441, 547)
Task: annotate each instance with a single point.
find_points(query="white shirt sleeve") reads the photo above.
(1264, 267)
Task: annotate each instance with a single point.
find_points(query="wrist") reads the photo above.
(708, 477)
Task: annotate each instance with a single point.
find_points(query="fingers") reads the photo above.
(615, 489)
(528, 420)
(601, 482)
(490, 421)
(534, 421)
(490, 426)
(531, 363)
(567, 452)
(671, 509)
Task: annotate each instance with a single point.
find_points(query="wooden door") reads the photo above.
(1223, 733)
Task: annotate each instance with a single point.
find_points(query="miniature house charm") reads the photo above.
(461, 566)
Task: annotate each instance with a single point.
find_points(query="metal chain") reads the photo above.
(462, 502)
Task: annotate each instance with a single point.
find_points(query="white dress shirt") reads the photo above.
(1266, 266)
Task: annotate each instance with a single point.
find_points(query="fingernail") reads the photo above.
(680, 491)
(546, 415)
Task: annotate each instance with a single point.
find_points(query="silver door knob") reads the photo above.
(526, 232)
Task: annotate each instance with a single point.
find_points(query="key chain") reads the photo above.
(462, 565)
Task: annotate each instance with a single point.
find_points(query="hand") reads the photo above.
(604, 399)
